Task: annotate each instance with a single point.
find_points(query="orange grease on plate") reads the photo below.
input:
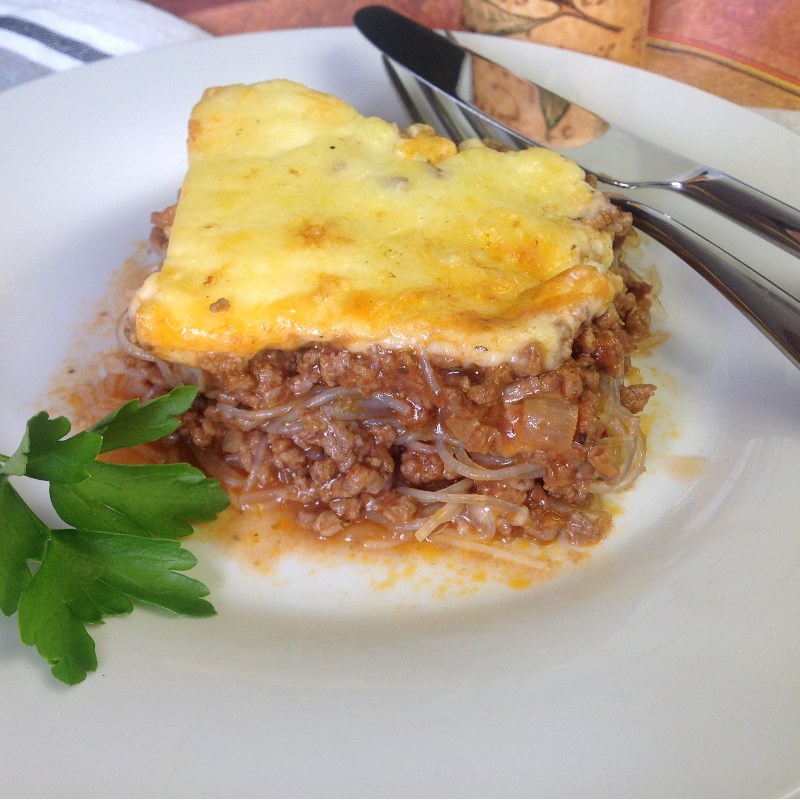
(262, 537)
(685, 468)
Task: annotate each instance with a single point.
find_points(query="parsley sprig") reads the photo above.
(121, 545)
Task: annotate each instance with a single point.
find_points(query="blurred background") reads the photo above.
(747, 51)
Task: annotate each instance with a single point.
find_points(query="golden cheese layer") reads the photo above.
(302, 221)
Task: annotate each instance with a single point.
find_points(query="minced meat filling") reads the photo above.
(383, 436)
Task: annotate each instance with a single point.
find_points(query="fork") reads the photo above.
(773, 310)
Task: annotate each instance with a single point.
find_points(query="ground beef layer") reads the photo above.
(413, 445)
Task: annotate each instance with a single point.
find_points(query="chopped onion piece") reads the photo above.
(429, 524)
(633, 466)
(547, 423)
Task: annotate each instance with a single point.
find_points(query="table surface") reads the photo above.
(747, 51)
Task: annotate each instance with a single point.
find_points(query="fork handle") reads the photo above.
(770, 218)
(772, 309)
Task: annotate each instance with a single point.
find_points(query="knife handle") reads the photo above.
(766, 216)
(773, 310)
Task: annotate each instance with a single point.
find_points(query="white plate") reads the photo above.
(668, 664)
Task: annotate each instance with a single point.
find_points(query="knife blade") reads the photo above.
(773, 310)
(615, 156)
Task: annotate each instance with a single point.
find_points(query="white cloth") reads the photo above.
(38, 37)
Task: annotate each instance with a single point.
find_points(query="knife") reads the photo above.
(601, 148)
(774, 311)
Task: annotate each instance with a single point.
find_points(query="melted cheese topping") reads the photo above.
(302, 221)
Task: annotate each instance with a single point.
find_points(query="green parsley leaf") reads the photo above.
(22, 539)
(143, 500)
(136, 423)
(86, 575)
(45, 454)
(119, 550)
